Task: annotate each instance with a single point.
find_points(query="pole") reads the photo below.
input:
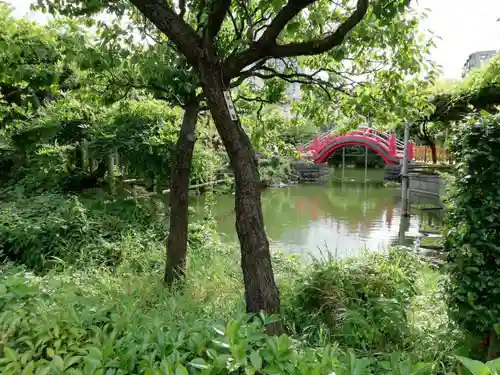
(343, 162)
(366, 163)
(404, 225)
(404, 174)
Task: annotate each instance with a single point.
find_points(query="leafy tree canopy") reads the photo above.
(364, 79)
(479, 90)
(37, 63)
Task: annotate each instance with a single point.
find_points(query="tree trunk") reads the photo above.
(261, 292)
(433, 153)
(179, 187)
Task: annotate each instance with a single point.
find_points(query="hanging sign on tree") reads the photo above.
(230, 105)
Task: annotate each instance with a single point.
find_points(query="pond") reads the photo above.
(339, 219)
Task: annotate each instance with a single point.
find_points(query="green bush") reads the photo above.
(275, 170)
(42, 230)
(94, 323)
(472, 221)
(47, 150)
(144, 133)
(360, 302)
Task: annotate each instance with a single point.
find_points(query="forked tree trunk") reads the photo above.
(179, 187)
(261, 292)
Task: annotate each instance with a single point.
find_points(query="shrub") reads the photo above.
(480, 368)
(275, 170)
(95, 323)
(70, 136)
(39, 230)
(472, 222)
(360, 302)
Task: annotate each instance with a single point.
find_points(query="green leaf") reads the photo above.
(199, 363)
(71, 361)
(10, 354)
(95, 353)
(475, 367)
(59, 363)
(29, 369)
(494, 365)
(43, 370)
(293, 27)
(256, 360)
(181, 370)
(277, 4)
(50, 352)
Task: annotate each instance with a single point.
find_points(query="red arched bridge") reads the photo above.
(391, 149)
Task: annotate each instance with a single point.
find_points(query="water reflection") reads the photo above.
(340, 218)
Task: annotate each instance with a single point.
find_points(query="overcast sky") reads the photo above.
(464, 26)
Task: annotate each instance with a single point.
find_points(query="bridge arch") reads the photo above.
(384, 144)
(338, 143)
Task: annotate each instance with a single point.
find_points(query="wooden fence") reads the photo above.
(424, 154)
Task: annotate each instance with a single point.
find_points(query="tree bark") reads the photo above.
(179, 187)
(433, 152)
(261, 292)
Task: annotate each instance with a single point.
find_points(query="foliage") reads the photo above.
(479, 368)
(44, 230)
(120, 319)
(275, 170)
(48, 149)
(36, 63)
(111, 345)
(472, 226)
(143, 133)
(353, 82)
(362, 301)
(480, 90)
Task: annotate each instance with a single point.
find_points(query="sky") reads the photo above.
(463, 27)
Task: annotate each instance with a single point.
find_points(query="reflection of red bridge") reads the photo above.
(321, 148)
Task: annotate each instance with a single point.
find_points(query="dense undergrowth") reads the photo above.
(81, 293)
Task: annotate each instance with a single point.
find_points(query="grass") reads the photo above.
(78, 313)
(380, 314)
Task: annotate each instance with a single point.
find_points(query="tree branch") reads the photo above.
(285, 15)
(173, 26)
(237, 31)
(266, 47)
(254, 99)
(315, 47)
(215, 20)
(182, 8)
(302, 79)
(248, 73)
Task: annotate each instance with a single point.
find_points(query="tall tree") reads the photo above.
(226, 41)
(35, 63)
(151, 65)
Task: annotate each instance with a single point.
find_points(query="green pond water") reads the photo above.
(336, 219)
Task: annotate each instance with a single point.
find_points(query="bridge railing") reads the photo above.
(389, 143)
(328, 136)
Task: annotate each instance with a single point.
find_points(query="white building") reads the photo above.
(478, 59)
